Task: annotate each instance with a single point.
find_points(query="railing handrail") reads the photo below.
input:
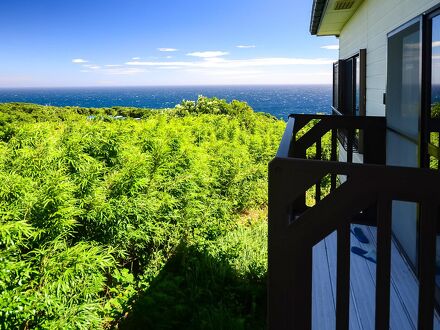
(402, 183)
(283, 149)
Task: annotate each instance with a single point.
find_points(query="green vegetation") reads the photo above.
(157, 220)
(434, 136)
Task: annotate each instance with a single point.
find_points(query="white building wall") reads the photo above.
(368, 28)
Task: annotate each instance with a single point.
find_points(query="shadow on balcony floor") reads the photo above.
(404, 287)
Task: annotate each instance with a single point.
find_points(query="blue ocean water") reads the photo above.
(279, 101)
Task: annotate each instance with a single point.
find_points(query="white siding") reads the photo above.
(368, 28)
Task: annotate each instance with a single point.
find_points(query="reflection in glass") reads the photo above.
(403, 95)
(435, 85)
(358, 85)
(435, 93)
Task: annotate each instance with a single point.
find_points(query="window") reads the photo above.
(349, 94)
(349, 77)
(432, 110)
(336, 85)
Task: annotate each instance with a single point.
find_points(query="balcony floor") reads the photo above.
(404, 287)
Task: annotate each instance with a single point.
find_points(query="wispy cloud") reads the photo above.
(113, 69)
(331, 47)
(214, 53)
(221, 72)
(136, 58)
(123, 71)
(435, 44)
(79, 60)
(245, 46)
(222, 63)
(167, 49)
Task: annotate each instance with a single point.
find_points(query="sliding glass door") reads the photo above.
(413, 116)
(403, 108)
(434, 113)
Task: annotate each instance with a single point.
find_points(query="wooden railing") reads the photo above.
(369, 188)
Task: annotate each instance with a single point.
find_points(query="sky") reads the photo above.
(79, 43)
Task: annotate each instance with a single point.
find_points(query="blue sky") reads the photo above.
(57, 43)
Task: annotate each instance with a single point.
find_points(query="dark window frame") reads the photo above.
(345, 93)
(345, 73)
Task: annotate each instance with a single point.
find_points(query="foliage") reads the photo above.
(434, 136)
(435, 110)
(102, 214)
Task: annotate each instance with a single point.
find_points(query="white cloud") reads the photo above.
(331, 47)
(79, 60)
(168, 57)
(123, 71)
(84, 71)
(435, 44)
(95, 67)
(113, 65)
(245, 46)
(136, 58)
(222, 63)
(215, 53)
(167, 49)
(220, 72)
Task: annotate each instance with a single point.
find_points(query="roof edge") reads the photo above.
(317, 12)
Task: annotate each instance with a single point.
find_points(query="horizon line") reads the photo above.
(159, 85)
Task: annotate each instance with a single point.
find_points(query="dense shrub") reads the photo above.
(103, 216)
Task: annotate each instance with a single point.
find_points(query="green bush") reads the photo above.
(100, 216)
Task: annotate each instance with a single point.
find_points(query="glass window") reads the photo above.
(357, 85)
(435, 95)
(336, 85)
(435, 113)
(435, 84)
(436, 61)
(403, 95)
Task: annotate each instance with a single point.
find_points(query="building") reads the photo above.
(383, 172)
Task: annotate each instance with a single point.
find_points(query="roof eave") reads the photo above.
(317, 12)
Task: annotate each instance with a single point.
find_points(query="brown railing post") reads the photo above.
(343, 278)
(383, 269)
(427, 257)
(334, 155)
(289, 259)
(278, 302)
(350, 140)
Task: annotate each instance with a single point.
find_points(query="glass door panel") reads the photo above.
(435, 114)
(403, 121)
(403, 94)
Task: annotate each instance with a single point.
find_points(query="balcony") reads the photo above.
(317, 195)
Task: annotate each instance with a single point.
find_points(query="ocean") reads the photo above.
(279, 101)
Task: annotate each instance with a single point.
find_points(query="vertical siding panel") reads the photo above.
(368, 28)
